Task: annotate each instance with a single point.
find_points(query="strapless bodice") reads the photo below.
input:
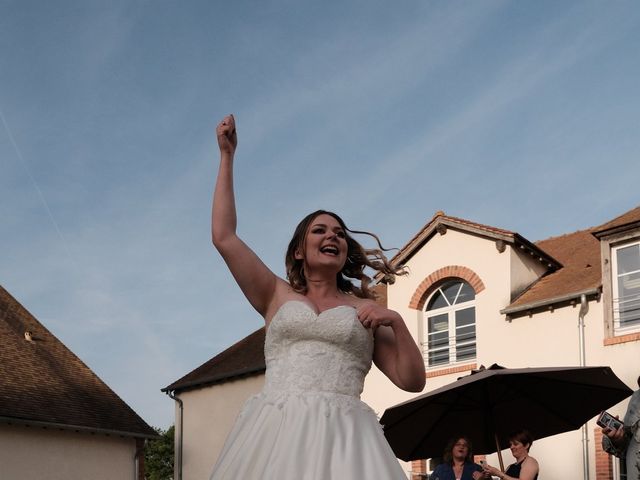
(307, 352)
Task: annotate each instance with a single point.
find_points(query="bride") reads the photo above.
(323, 332)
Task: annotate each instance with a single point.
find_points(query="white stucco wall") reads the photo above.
(550, 338)
(35, 453)
(209, 415)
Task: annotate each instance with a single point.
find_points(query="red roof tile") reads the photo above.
(579, 253)
(629, 218)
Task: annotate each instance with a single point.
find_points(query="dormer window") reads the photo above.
(626, 288)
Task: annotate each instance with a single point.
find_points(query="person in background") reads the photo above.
(526, 467)
(458, 462)
(624, 442)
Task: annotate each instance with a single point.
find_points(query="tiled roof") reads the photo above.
(243, 358)
(579, 253)
(479, 226)
(626, 219)
(429, 229)
(43, 382)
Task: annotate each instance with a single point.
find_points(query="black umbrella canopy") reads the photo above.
(492, 403)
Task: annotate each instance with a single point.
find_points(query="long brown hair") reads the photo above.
(358, 258)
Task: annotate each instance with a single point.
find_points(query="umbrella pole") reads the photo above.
(499, 453)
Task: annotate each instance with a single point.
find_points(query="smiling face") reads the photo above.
(324, 245)
(518, 449)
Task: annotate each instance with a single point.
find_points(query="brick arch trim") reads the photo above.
(419, 297)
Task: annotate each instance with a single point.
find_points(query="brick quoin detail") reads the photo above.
(604, 464)
(452, 271)
(418, 469)
(450, 370)
(631, 337)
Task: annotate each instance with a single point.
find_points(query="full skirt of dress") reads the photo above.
(306, 436)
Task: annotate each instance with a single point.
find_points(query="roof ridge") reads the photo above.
(556, 237)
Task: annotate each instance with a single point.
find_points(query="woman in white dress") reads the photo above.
(323, 332)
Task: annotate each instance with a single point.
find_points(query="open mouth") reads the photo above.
(330, 250)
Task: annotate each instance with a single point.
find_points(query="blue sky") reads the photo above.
(520, 115)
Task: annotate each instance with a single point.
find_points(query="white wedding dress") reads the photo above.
(309, 423)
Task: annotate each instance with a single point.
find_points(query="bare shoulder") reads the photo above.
(531, 464)
(283, 293)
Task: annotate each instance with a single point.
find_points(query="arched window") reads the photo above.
(450, 324)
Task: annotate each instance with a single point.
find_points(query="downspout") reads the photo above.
(584, 308)
(179, 453)
(136, 459)
(135, 464)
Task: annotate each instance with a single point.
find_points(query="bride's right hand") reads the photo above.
(227, 137)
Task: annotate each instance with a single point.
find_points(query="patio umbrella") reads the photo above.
(490, 404)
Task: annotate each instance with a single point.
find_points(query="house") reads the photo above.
(58, 420)
(475, 295)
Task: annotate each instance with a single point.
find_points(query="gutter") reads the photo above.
(550, 301)
(74, 428)
(179, 452)
(182, 386)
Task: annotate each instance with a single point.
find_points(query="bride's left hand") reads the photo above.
(372, 315)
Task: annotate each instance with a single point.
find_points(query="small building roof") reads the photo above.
(243, 358)
(43, 383)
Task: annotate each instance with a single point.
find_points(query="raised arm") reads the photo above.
(395, 352)
(256, 281)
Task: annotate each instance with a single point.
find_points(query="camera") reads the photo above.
(606, 420)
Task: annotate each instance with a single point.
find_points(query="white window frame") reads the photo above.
(615, 295)
(450, 310)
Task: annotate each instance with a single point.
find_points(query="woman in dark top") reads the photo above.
(526, 467)
(458, 462)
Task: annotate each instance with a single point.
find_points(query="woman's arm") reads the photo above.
(256, 281)
(395, 352)
(528, 471)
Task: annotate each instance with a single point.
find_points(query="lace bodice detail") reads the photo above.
(306, 352)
